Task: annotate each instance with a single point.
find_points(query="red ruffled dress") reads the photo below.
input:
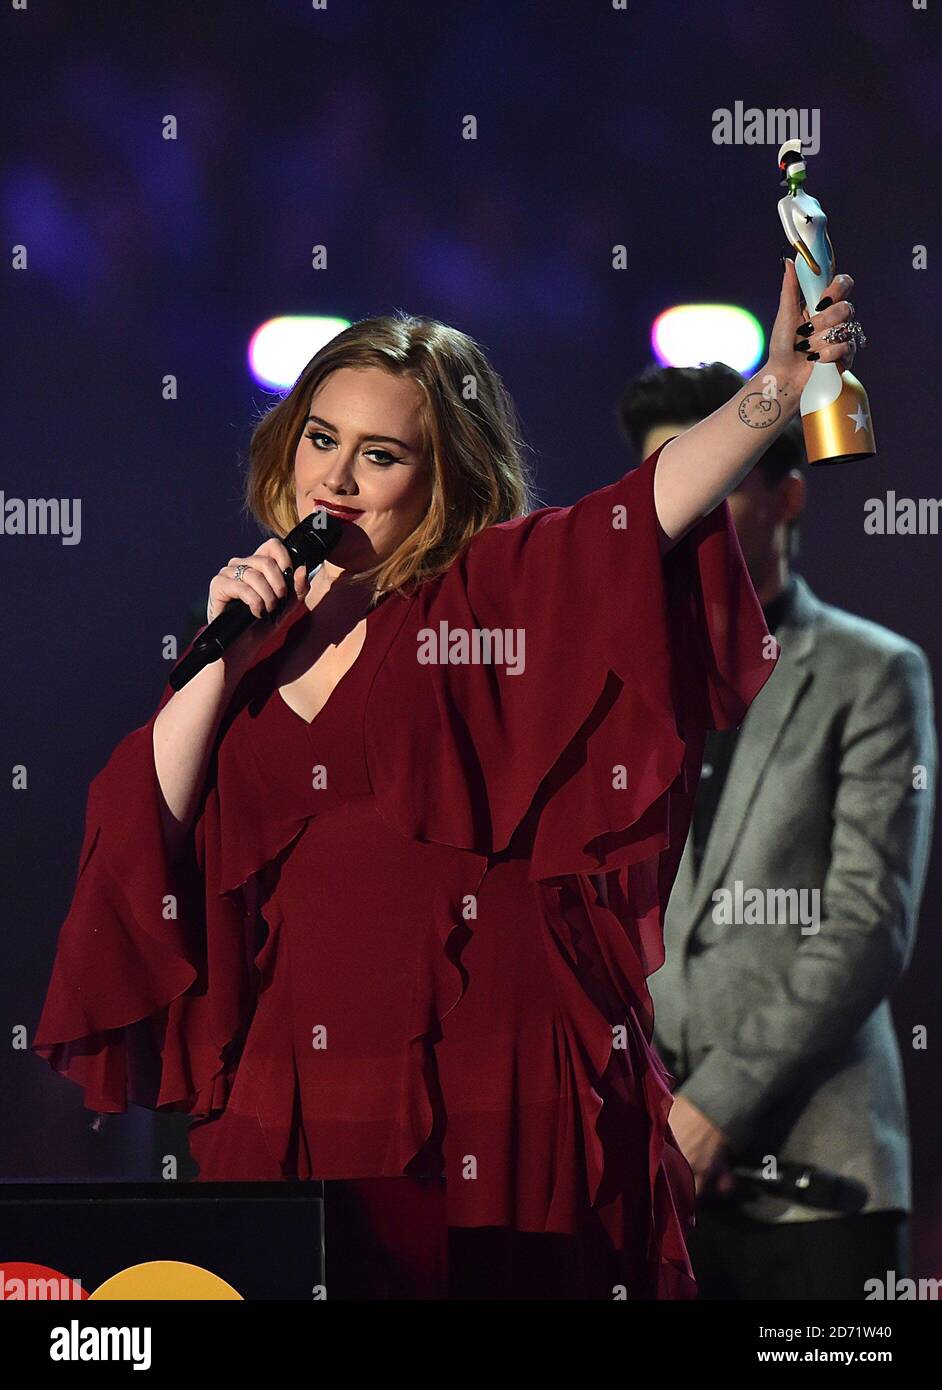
(412, 937)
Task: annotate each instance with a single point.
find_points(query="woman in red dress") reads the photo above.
(374, 898)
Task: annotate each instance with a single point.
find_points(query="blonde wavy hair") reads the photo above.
(471, 441)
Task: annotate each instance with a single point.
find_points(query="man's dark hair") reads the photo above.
(684, 395)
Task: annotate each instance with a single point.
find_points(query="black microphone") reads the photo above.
(805, 1184)
(308, 544)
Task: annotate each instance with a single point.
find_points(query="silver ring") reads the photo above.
(845, 332)
(240, 570)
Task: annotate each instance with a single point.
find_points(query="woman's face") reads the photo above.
(362, 450)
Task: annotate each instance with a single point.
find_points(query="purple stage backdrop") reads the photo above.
(148, 258)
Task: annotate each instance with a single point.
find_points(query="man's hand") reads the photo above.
(703, 1145)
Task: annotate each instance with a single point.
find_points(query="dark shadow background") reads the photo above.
(343, 126)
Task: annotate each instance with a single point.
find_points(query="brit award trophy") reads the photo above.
(835, 412)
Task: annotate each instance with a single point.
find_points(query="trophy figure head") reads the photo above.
(792, 165)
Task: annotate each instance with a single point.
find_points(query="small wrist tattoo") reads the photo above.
(758, 411)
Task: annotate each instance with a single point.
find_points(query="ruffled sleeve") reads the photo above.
(585, 728)
(151, 988)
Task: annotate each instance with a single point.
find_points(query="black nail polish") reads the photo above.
(805, 329)
(813, 356)
(802, 347)
(826, 302)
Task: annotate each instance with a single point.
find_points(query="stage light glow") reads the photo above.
(689, 334)
(281, 348)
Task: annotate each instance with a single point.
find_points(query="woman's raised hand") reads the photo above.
(797, 340)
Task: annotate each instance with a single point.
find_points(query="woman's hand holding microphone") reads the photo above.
(259, 581)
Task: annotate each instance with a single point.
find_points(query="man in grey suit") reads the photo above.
(771, 1008)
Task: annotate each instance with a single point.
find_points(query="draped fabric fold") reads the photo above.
(582, 751)
(153, 983)
(616, 661)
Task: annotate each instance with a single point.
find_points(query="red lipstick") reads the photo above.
(345, 513)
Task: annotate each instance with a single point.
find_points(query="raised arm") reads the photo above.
(700, 467)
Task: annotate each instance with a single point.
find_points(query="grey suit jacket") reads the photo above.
(781, 1033)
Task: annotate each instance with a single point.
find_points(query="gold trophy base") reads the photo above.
(842, 431)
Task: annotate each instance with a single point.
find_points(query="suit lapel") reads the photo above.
(759, 737)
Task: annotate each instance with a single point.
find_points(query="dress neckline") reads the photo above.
(309, 723)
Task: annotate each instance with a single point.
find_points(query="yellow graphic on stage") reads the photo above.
(165, 1279)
